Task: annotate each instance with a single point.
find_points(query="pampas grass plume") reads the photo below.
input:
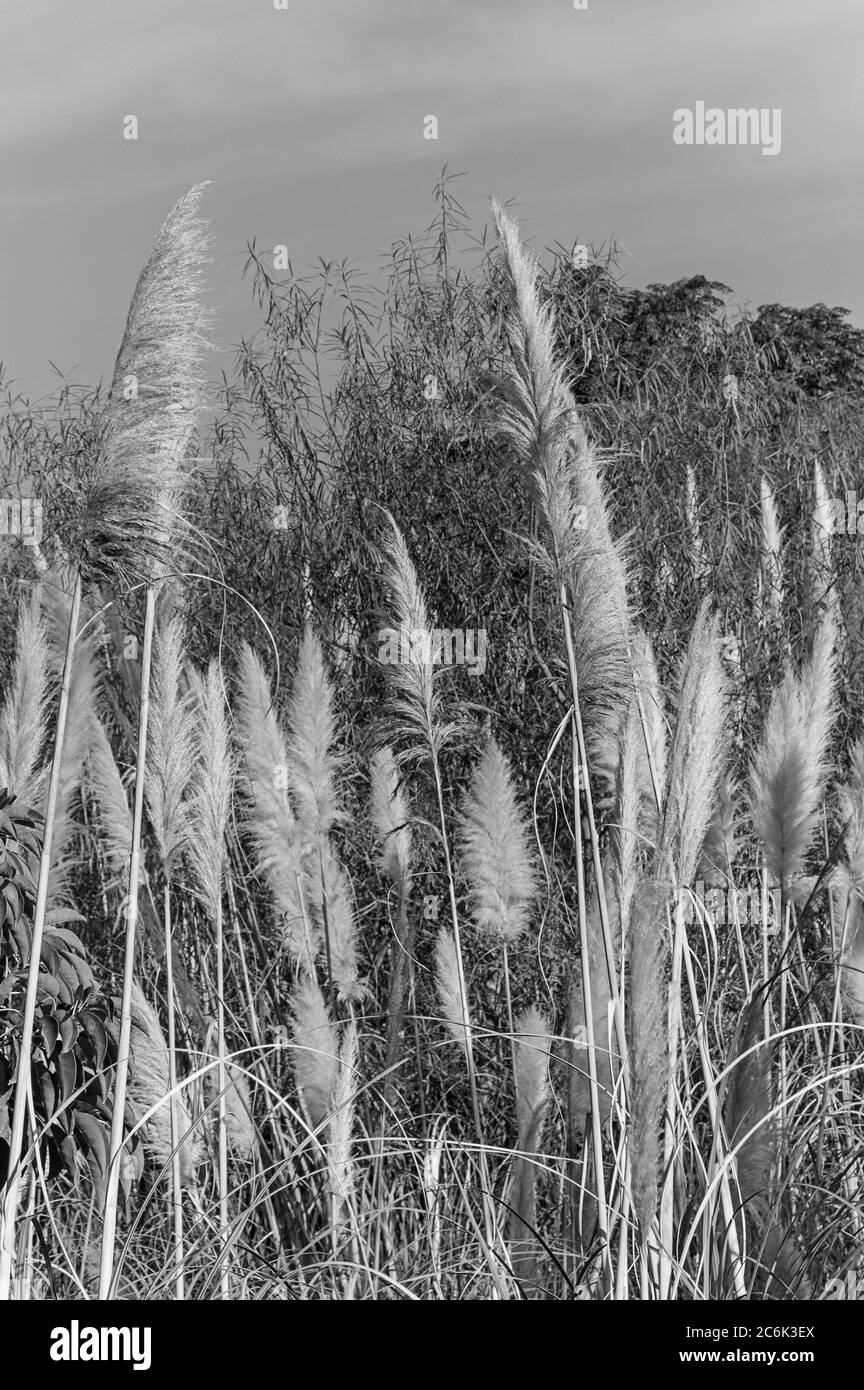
(268, 816)
(170, 748)
(390, 815)
(22, 720)
(311, 726)
(447, 981)
(532, 1077)
(130, 522)
(790, 763)
(315, 1055)
(211, 801)
(148, 1087)
(698, 753)
(493, 844)
(114, 815)
(772, 550)
(414, 724)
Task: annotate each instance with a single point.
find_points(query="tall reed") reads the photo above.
(157, 393)
(210, 812)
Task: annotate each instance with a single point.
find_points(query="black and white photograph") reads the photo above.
(431, 671)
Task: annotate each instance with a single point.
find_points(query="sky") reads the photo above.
(309, 119)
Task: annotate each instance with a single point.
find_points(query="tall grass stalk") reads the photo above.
(166, 791)
(589, 576)
(109, 1227)
(162, 353)
(210, 810)
(22, 1075)
(414, 726)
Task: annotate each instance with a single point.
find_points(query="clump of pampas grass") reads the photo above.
(415, 726)
(314, 766)
(576, 549)
(133, 526)
(149, 1088)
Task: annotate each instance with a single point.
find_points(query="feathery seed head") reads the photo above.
(268, 817)
(312, 732)
(170, 748)
(130, 518)
(211, 799)
(532, 1077)
(315, 1055)
(390, 815)
(493, 844)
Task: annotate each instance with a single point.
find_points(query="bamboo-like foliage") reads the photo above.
(698, 559)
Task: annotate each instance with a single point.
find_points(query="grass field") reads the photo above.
(433, 836)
